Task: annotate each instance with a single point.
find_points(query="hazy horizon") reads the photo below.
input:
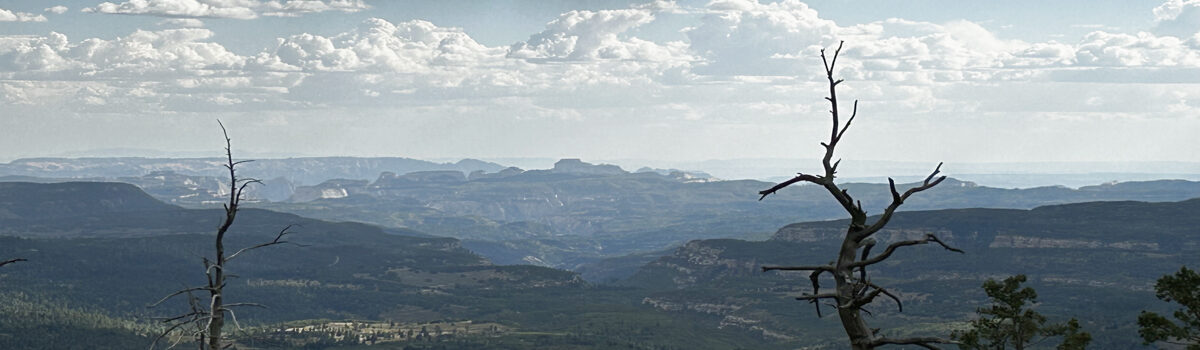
(991, 174)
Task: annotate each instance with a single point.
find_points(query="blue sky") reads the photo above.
(966, 81)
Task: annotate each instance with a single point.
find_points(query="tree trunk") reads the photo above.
(852, 321)
(215, 323)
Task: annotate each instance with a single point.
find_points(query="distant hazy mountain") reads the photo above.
(573, 214)
(1096, 261)
(201, 181)
(298, 171)
(98, 253)
(579, 213)
(992, 174)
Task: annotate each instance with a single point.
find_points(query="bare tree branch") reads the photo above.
(815, 297)
(898, 199)
(870, 297)
(278, 240)
(892, 249)
(815, 277)
(828, 268)
(925, 342)
(178, 292)
(10, 261)
(866, 251)
(799, 178)
(227, 306)
(167, 332)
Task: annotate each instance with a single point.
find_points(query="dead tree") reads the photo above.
(207, 321)
(853, 290)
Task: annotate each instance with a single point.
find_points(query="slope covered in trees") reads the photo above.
(112, 262)
(1095, 261)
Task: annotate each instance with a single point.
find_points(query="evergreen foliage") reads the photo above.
(1184, 288)
(1011, 322)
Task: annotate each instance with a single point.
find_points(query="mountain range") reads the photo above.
(597, 219)
(1096, 261)
(99, 253)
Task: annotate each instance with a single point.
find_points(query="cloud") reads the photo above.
(781, 39)
(58, 10)
(134, 72)
(596, 35)
(746, 37)
(182, 22)
(742, 54)
(27, 54)
(12, 16)
(235, 9)
(165, 51)
(380, 46)
(295, 8)
(1179, 18)
(1172, 9)
(1136, 50)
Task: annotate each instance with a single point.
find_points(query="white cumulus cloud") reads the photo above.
(294, 8)
(746, 37)
(182, 22)
(1179, 18)
(1136, 50)
(236, 9)
(596, 35)
(380, 46)
(13, 16)
(58, 10)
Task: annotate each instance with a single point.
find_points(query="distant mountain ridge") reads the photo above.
(120, 250)
(579, 213)
(119, 224)
(31, 201)
(1095, 260)
(300, 171)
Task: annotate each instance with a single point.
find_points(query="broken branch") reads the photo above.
(898, 199)
(925, 342)
(799, 177)
(929, 238)
(10, 261)
(278, 240)
(828, 268)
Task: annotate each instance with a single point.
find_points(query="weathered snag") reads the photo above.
(852, 293)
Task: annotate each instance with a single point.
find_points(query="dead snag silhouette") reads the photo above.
(204, 321)
(853, 289)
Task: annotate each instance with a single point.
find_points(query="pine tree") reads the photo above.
(1184, 288)
(1010, 322)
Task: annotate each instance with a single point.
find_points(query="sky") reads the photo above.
(953, 81)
